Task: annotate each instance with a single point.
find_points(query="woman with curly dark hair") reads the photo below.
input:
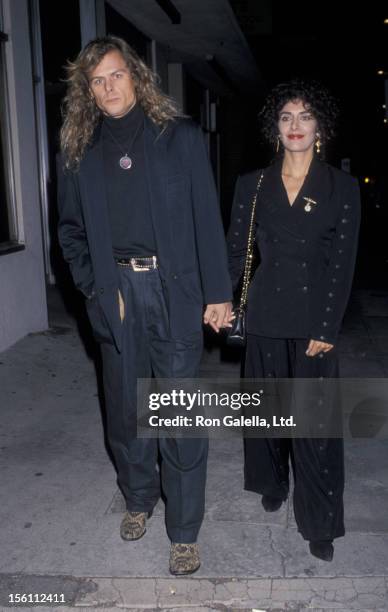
(307, 219)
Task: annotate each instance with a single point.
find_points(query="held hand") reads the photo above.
(218, 315)
(121, 307)
(315, 347)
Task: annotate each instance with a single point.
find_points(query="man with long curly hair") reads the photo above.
(140, 228)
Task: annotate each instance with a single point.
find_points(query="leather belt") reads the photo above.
(138, 264)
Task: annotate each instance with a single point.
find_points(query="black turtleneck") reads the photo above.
(127, 190)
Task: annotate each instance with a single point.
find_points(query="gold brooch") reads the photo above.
(308, 206)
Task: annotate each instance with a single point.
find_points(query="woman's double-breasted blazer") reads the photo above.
(307, 251)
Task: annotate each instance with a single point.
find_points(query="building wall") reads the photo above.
(23, 307)
(158, 60)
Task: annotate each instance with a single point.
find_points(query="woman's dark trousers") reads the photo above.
(318, 464)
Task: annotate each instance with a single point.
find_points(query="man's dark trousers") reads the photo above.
(148, 348)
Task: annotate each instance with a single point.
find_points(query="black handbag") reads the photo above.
(236, 335)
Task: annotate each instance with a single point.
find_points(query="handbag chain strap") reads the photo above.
(249, 257)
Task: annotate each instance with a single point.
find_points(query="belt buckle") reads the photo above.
(144, 267)
(137, 267)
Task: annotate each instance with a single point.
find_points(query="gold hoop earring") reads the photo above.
(318, 144)
(278, 144)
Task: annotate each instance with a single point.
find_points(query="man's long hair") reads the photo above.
(79, 110)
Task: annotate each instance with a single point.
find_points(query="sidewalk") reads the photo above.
(60, 508)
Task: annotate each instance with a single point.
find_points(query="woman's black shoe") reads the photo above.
(271, 504)
(323, 549)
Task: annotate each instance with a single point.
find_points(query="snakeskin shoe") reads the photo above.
(184, 559)
(133, 525)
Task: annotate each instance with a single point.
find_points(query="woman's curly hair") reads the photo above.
(79, 110)
(315, 97)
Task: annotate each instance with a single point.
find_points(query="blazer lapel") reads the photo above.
(155, 154)
(93, 188)
(313, 198)
(272, 196)
(311, 189)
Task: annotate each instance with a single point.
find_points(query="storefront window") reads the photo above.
(8, 225)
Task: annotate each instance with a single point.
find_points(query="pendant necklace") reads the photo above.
(125, 162)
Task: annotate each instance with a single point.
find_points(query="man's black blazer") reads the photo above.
(307, 251)
(189, 236)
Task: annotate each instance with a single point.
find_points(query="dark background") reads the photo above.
(343, 45)
(344, 49)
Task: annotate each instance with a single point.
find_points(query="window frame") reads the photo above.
(15, 241)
